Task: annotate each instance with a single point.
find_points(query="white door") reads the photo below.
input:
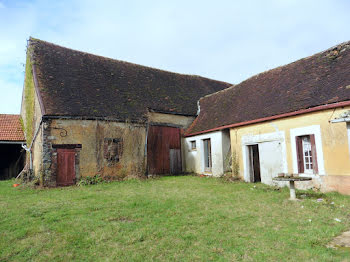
(271, 161)
(207, 155)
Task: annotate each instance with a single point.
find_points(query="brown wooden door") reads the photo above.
(65, 167)
(163, 144)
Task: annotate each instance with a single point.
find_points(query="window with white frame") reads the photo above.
(306, 153)
(193, 145)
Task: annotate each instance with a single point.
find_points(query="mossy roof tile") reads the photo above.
(74, 83)
(321, 79)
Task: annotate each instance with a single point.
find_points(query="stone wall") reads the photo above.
(93, 137)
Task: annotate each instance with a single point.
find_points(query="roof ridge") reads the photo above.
(300, 59)
(217, 92)
(33, 40)
(10, 115)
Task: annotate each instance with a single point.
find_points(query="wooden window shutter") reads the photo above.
(314, 154)
(300, 156)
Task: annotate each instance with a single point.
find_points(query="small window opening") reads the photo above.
(113, 149)
(193, 145)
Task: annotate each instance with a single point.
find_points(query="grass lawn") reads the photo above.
(169, 219)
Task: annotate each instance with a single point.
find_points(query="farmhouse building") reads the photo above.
(293, 119)
(85, 115)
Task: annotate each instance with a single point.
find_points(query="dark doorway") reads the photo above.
(12, 158)
(254, 163)
(65, 167)
(164, 150)
(207, 155)
(175, 161)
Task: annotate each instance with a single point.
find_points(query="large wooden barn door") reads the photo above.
(164, 150)
(65, 167)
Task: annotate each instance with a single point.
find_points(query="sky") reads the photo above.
(224, 40)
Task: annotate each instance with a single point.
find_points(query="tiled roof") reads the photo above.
(11, 128)
(74, 83)
(321, 79)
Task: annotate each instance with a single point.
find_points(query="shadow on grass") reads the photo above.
(310, 195)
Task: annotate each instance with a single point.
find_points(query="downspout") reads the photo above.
(198, 108)
(31, 145)
(146, 164)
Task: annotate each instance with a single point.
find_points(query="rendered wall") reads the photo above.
(37, 148)
(194, 159)
(226, 151)
(333, 139)
(182, 121)
(31, 116)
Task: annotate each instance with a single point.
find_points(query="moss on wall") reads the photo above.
(228, 161)
(29, 96)
(235, 163)
(91, 135)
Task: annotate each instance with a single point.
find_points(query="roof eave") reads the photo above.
(69, 117)
(12, 141)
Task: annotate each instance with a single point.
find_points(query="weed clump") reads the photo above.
(90, 180)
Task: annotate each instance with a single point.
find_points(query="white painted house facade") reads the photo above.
(207, 153)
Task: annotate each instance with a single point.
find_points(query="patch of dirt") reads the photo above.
(342, 241)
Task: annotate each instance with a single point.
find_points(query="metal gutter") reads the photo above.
(151, 110)
(339, 120)
(29, 149)
(12, 142)
(146, 143)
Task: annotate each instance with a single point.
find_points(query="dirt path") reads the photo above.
(342, 241)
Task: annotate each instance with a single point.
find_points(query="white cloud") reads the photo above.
(225, 40)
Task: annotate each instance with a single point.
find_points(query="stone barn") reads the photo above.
(11, 152)
(85, 115)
